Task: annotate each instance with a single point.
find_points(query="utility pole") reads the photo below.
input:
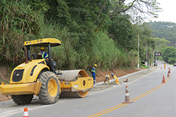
(138, 49)
(138, 44)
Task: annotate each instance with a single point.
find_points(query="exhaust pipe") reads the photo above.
(26, 59)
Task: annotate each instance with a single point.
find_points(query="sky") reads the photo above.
(168, 13)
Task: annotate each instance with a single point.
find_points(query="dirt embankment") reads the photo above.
(117, 72)
(4, 77)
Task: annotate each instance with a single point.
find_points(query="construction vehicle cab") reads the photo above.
(48, 42)
(35, 76)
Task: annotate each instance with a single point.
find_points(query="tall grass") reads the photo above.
(104, 51)
(19, 23)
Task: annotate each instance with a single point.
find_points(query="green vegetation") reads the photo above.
(143, 66)
(166, 30)
(165, 35)
(91, 31)
(169, 55)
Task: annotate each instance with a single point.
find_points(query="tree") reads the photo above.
(160, 43)
(166, 30)
(17, 21)
(121, 32)
(169, 54)
(135, 7)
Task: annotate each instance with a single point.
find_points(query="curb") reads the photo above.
(122, 77)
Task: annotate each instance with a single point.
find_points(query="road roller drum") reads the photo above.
(75, 83)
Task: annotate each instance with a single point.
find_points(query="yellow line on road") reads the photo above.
(133, 100)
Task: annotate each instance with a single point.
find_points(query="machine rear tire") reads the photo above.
(50, 88)
(22, 99)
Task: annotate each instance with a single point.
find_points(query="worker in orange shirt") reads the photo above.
(115, 77)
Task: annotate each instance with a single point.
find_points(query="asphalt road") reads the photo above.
(150, 98)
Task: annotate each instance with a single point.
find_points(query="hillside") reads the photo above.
(165, 30)
(91, 32)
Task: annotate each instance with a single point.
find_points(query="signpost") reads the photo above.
(157, 53)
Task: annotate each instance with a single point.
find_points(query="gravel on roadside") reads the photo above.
(124, 79)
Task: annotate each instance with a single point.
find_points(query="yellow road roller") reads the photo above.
(39, 76)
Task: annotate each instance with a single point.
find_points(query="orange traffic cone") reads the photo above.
(25, 114)
(127, 97)
(163, 80)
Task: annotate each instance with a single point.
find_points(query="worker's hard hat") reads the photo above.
(107, 76)
(42, 47)
(95, 65)
(112, 74)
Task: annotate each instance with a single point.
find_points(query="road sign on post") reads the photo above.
(157, 53)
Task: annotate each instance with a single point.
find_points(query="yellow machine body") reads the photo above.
(24, 78)
(81, 84)
(20, 89)
(31, 86)
(31, 71)
(28, 83)
(43, 42)
(75, 83)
